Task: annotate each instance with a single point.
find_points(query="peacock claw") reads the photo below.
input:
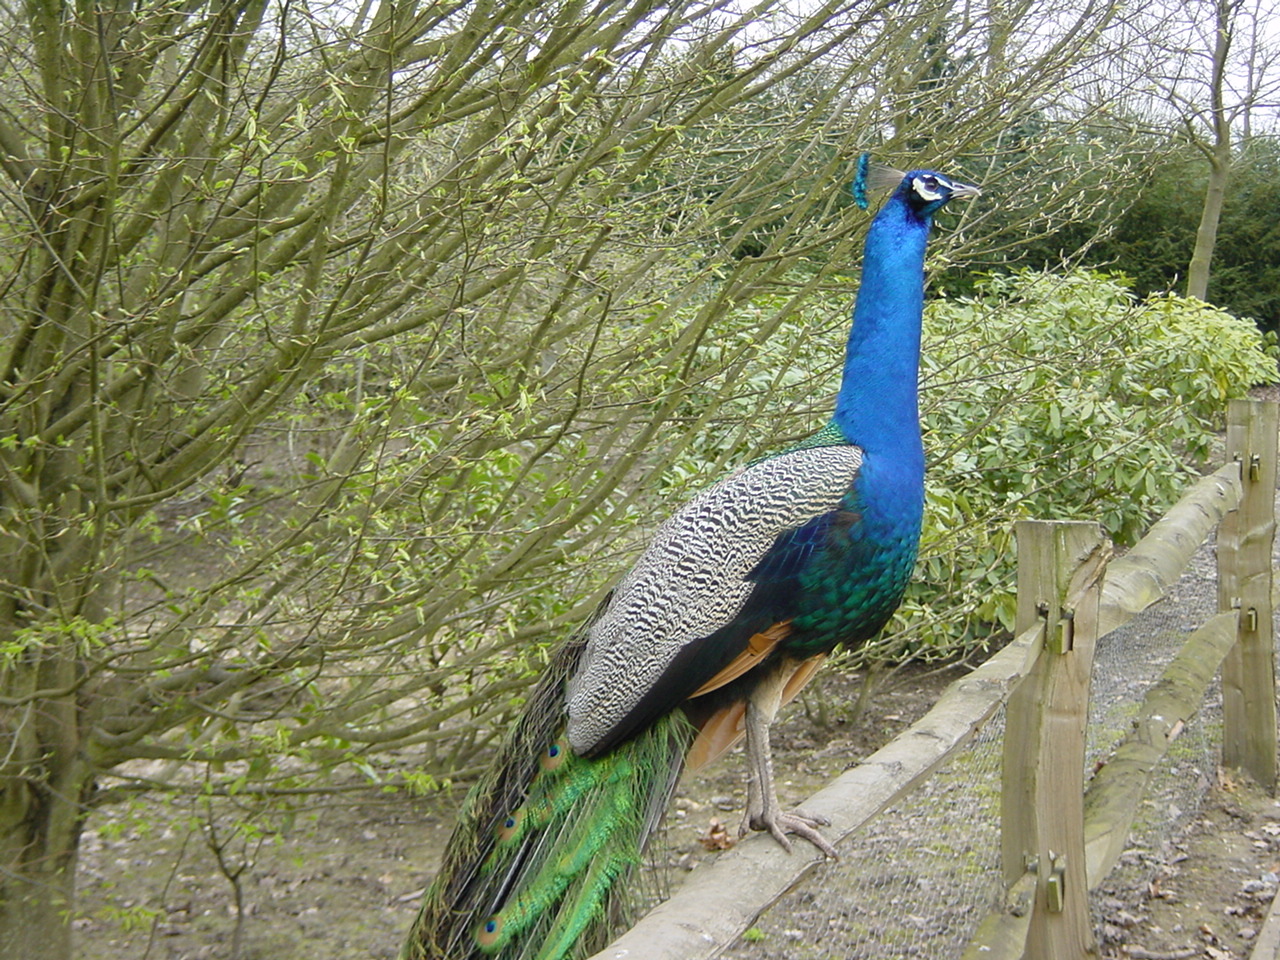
(813, 819)
(798, 822)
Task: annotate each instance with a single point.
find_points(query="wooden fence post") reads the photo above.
(1245, 540)
(1060, 568)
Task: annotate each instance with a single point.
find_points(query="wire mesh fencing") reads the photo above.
(918, 879)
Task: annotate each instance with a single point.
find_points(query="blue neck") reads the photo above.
(877, 407)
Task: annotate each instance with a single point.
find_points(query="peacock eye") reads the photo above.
(928, 187)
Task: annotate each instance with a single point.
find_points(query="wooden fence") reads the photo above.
(1060, 836)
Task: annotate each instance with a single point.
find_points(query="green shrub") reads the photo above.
(1061, 397)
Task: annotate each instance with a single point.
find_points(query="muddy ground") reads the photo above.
(344, 881)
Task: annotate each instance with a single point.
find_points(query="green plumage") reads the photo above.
(533, 870)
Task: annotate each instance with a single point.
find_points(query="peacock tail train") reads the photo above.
(547, 840)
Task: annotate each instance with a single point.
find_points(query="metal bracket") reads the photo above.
(1055, 882)
(1055, 885)
(1252, 472)
(1063, 639)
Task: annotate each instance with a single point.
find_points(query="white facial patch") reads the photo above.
(929, 188)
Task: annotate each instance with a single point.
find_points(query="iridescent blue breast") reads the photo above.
(851, 587)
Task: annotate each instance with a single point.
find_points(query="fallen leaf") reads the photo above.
(716, 837)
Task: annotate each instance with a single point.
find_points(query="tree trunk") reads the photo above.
(47, 768)
(1218, 154)
(1207, 232)
(40, 823)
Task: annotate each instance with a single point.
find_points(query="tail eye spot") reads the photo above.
(556, 753)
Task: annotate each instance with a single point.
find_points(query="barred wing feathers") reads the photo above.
(693, 600)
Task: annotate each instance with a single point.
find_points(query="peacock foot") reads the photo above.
(797, 822)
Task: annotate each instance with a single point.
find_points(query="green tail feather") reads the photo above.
(539, 864)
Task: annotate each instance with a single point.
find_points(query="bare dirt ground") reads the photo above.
(1212, 887)
(344, 882)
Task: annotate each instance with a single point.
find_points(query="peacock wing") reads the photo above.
(715, 575)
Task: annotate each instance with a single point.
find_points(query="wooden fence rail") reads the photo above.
(1059, 839)
(723, 898)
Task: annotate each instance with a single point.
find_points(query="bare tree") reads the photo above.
(1216, 65)
(332, 336)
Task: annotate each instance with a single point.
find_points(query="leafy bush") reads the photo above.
(1061, 397)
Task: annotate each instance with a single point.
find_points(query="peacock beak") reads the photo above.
(964, 191)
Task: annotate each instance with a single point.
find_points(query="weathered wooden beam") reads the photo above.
(721, 899)
(1116, 791)
(1060, 571)
(1002, 935)
(1245, 542)
(1145, 574)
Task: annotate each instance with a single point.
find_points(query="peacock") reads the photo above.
(726, 615)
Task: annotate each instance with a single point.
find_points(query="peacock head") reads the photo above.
(923, 191)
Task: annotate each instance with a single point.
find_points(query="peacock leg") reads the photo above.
(763, 810)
